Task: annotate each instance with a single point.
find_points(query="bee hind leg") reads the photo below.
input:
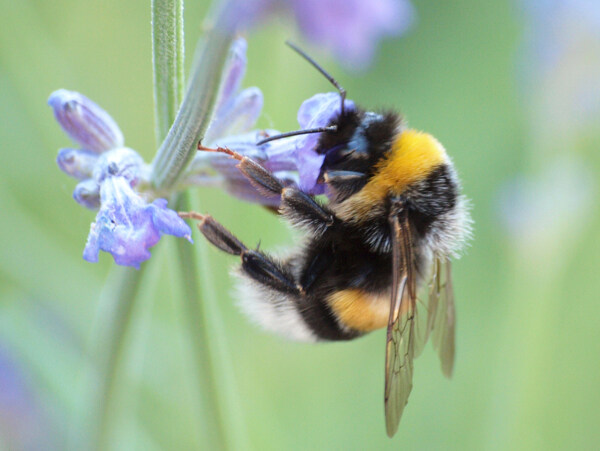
(255, 264)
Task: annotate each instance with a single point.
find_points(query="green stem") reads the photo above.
(177, 149)
(210, 343)
(167, 61)
(106, 348)
(194, 115)
(202, 342)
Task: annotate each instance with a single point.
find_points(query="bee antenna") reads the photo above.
(330, 128)
(316, 65)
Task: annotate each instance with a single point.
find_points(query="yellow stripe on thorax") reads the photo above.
(360, 311)
(412, 157)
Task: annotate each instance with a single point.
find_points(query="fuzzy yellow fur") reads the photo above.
(413, 156)
(360, 311)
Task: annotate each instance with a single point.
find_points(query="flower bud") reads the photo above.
(87, 193)
(77, 163)
(85, 122)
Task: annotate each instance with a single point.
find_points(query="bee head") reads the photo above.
(352, 152)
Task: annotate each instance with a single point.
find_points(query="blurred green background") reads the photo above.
(473, 74)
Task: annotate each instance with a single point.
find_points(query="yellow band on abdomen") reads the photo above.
(361, 311)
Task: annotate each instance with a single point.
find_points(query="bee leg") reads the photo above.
(265, 270)
(255, 264)
(296, 205)
(301, 209)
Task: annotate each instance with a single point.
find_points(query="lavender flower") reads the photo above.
(126, 225)
(237, 110)
(293, 159)
(315, 112)
(115, 180)
(85, 122)
(351, 29)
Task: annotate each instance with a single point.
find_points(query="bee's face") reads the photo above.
(361, 140)
(353, 151)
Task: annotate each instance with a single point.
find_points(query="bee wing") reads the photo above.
(441, 318)
(400, 345)
(425, 304)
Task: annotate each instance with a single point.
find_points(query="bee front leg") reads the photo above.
(300, 208)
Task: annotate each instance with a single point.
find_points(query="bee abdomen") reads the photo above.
(298, 317)
(359, 310)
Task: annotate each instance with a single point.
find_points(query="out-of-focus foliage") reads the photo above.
(528, 341)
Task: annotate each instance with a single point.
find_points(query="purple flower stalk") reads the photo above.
(293, 159)
(126, 225)
(115, 180)
(350, 29)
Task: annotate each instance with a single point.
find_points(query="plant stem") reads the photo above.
(194, 115)
(106, 348)
(167, 62)
(209, 345)
(177, 148)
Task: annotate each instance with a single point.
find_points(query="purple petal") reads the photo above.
(243, 189)
(288, 154)
(77, 163)
(351, 29)
(168, 221)
(251, 12)
(85, 122)
(87, 193)
(123, 162)
(320, 109)
(243, 144)
(281, 155)
(309, 168)
(237, 117)
(235, 113)
(234, 73)
(127, 227)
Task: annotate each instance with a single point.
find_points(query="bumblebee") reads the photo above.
(376, 255)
